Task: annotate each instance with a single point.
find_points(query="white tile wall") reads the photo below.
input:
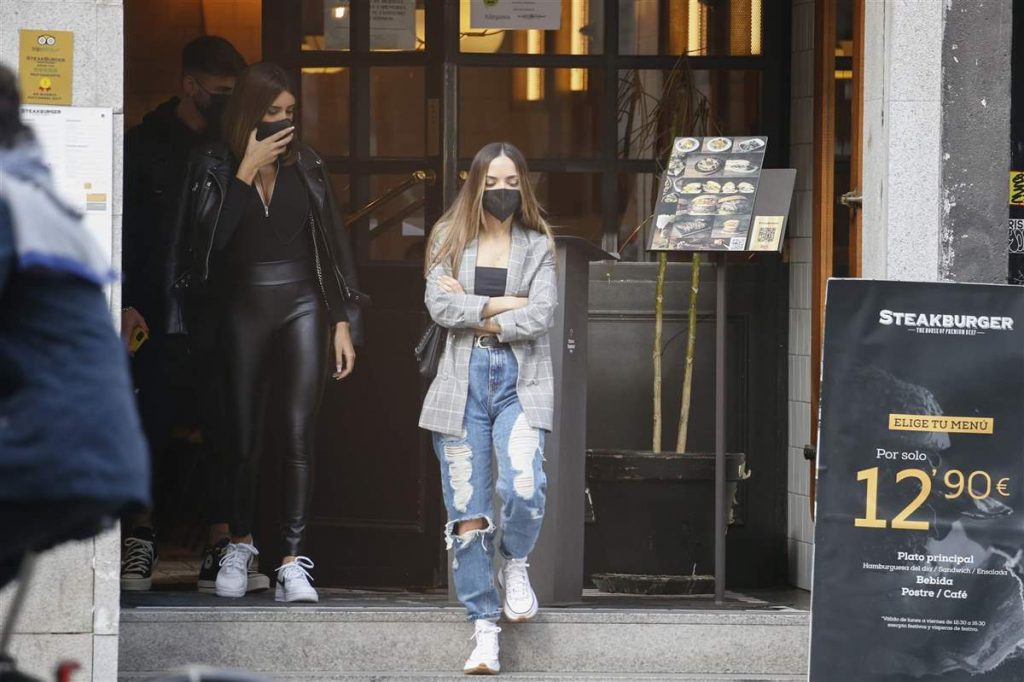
(800, 331)
(800, 379)
(801, 155)
(801, 213)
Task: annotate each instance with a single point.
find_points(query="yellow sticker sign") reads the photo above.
(46, 66)
(1016, 188)
(941, 422)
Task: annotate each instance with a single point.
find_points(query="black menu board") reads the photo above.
(707, 194)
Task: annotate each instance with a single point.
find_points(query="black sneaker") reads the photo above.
(211, 564)
(138, 559)
(212, 554)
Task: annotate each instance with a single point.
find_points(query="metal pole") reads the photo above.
(721, 519)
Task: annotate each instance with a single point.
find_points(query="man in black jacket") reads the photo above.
(156, 155)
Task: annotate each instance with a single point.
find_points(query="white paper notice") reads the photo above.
(513, 15)
(78, 143)
(392, 24)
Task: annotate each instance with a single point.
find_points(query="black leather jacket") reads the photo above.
(209, 172)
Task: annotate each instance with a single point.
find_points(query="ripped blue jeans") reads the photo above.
(494, 423)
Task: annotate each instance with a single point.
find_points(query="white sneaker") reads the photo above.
(293, 582)
(520, 599)
(233, 576)
(484, 659)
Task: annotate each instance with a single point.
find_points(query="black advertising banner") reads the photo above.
(919, 534)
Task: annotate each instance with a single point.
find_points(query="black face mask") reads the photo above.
(502, 203)
(213, 110)
(265, 130)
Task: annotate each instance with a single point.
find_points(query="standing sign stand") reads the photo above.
(721, 513)
(716, 198)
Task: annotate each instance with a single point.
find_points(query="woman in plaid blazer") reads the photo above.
(491, 282)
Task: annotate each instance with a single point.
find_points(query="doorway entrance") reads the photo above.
(398, 115)
(403, 120)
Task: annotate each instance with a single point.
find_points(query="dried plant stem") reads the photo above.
(691, 345)
(659, 312)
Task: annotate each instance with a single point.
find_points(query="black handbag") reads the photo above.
(428, 350)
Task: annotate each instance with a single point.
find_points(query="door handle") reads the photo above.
(852, 199)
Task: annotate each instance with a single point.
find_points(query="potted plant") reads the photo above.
(652, 524)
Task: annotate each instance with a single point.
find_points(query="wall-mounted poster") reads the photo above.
(707, 194)
(78, 144)
(46, 66)
(510, 15)
(392, 24)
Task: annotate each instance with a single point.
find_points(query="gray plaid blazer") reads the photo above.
(531, 273)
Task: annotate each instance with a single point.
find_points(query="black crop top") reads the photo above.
(490, 281)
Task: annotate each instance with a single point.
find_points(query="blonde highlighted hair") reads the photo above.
(462, 223)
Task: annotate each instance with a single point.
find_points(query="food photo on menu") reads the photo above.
(708, 193)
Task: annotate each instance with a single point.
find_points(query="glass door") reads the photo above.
(398, 95)
(370, 82)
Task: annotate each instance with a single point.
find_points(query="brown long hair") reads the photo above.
(256, 89)
(462, 223)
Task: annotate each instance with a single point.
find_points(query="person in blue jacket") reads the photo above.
(72, 453)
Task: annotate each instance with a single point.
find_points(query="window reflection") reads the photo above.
(581, 32)
(325, 109)
(397, 111)
(572, 202)
(340, 185)
(637, 195)
(652, 102)
(396, 228)
(694, 27)
(533, 108)
(395, 25)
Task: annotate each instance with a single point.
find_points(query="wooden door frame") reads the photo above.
(823, 195)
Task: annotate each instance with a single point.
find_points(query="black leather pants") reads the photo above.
(276, 328)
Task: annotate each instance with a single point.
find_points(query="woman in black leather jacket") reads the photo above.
(260, 231)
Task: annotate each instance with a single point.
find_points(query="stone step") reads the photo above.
(316, 643)
(520, 677)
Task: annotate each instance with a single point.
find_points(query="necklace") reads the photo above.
(263, 190)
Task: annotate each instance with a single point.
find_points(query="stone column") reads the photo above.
(976, 140)
(73, 608)
(902, 139)
(936, 139)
